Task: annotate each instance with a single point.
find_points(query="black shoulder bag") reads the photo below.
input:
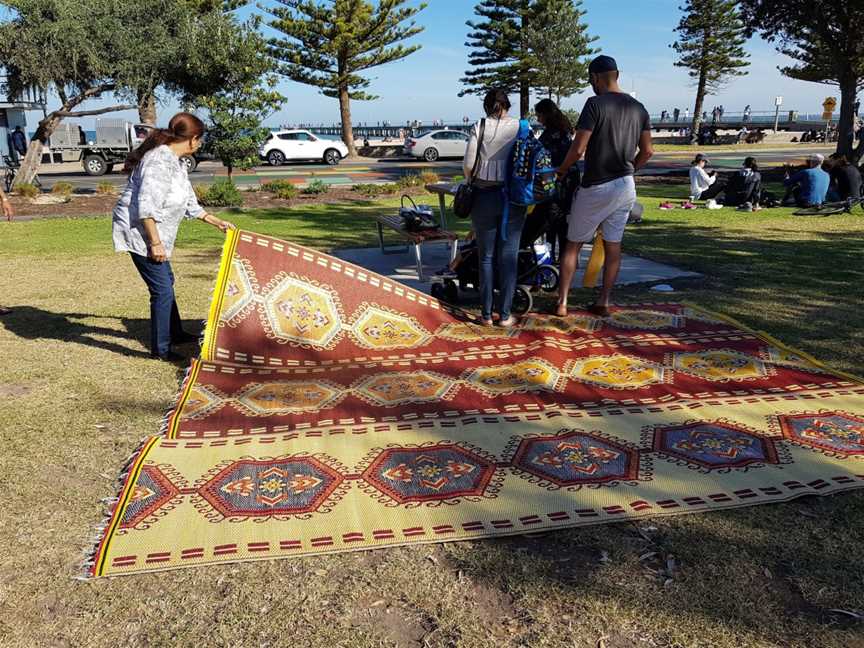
(464, 200)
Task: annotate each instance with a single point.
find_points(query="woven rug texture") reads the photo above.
(333, 409)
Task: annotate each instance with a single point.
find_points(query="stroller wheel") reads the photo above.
(522, 301)
(451, 291)
(548, 278)
(438, 291)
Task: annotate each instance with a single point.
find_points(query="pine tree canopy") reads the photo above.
(330, 44)
(710, 43)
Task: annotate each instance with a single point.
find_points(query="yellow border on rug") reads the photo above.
(767, 337)
(211, 327)
(189, 383)
(122, 504)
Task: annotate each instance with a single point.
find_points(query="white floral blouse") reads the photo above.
(158, 188)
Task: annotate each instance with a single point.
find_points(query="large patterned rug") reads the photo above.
(333, 409)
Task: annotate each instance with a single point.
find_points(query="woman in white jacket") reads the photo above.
(497, 229)
(703, 185)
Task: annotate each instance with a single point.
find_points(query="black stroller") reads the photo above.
(534, 270)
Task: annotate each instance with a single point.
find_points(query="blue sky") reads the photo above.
(636, 32)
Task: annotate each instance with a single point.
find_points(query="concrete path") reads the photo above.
(401, 267)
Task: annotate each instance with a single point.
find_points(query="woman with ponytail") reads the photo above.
(157, 197)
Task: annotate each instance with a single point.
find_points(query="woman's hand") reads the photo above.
(157, 253)
(218, 223)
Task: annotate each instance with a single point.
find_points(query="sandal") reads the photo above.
(487, 322)
(598, 310)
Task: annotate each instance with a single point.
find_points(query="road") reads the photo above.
(389, 170)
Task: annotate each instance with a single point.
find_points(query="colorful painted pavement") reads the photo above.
(333, 409)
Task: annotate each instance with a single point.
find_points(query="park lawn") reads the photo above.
(79, 393)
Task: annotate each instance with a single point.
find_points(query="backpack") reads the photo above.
(531, 176)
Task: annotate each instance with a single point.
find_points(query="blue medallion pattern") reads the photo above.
(271, 487)
(152, 491)
(577, 458)
(833, 431)
(428, 474)
(714, 445)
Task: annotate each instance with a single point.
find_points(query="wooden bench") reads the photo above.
(395, 223)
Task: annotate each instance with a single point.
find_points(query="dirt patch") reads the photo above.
(393, 622)
(9, 390)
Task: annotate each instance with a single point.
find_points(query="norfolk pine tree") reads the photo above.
(559, 45)
(825, 37)
(710, 45)
(330, 44)
(499, 56)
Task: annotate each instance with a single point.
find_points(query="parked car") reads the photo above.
(437, 144)
(281, 146)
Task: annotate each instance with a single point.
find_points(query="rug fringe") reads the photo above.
(90, 552)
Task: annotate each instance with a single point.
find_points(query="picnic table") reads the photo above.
(415, 239)
(443, 189)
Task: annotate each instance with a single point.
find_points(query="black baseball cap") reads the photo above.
(602, 64)
(700, 157)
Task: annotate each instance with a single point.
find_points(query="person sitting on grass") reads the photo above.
(744, 187)
(845, 179)
(8, 213)
(808, 187)
(703, 184)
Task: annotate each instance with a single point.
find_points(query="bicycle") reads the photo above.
(831, 208)
(11, 169)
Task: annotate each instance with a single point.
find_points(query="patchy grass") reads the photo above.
(78, 393)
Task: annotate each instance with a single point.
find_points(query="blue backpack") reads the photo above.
(531, 176)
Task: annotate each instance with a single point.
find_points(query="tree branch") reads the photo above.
(90, 113)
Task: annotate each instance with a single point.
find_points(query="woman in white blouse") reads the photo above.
(497, 224)
(146, 218)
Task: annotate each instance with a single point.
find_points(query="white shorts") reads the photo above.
(606, 206)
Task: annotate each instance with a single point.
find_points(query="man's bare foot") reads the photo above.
(561, 310)
(600, 310)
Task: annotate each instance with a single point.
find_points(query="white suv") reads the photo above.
(281, 146)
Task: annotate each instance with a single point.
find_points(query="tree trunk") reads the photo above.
(524, 99)
(845, 130)
(33, 157)
(345, 114)
(146, 108)
(697, 110)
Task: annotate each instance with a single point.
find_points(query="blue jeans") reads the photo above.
(165, 323)
(498, 257)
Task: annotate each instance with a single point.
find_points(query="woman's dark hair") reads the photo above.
(496, 102)
(554, 118)
(183, 126)
(750, 163)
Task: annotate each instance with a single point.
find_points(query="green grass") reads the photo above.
(77, 394)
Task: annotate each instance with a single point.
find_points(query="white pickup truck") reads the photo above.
(115, 138)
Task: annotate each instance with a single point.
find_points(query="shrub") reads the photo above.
(375, 189)
(62, 189)
(222, 193)
(316, 187)
(282, 189)
(27, 190)
(106, 189)
(409, 180)
(429, 177)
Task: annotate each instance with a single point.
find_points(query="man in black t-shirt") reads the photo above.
(612, 126)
